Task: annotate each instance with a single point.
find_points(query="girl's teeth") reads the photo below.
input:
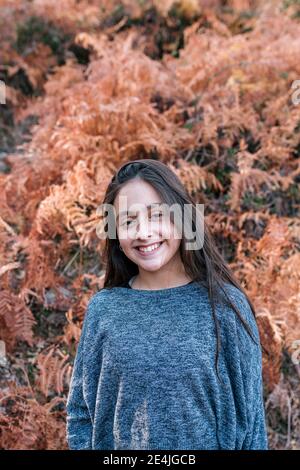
(150, 248)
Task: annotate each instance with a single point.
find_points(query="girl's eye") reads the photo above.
(125, 223)
(159, 214)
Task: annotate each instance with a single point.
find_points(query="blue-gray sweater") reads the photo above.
(144, 373)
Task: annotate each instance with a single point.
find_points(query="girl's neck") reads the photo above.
(158, 282)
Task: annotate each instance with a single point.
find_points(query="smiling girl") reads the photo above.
(169, 355)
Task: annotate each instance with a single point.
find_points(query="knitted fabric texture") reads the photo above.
(144, 373)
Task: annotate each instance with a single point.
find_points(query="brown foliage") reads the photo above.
(216, 107)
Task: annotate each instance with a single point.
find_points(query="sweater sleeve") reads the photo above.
(253, 435)
(256, 438)
(78, 421)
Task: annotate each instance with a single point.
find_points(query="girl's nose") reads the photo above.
(143, 228)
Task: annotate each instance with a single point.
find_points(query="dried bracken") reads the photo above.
(204, 86)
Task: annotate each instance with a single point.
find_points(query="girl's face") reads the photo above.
(146, 226)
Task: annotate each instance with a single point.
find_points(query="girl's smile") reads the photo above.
(148, 250)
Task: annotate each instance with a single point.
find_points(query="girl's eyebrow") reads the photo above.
(154, 204)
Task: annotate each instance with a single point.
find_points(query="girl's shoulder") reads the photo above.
(102, 296)
(99, 296)
(240, 301)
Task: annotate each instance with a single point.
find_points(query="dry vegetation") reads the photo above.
(204, 86)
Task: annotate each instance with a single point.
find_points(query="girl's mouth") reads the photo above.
(150, 249)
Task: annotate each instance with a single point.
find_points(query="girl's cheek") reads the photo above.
(170, 232)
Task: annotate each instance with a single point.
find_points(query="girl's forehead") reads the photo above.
(138, 187)
(136, 198)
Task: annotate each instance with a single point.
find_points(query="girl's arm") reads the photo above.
(79, 423)
(255, 437)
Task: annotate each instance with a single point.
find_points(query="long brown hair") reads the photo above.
(205, 266)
